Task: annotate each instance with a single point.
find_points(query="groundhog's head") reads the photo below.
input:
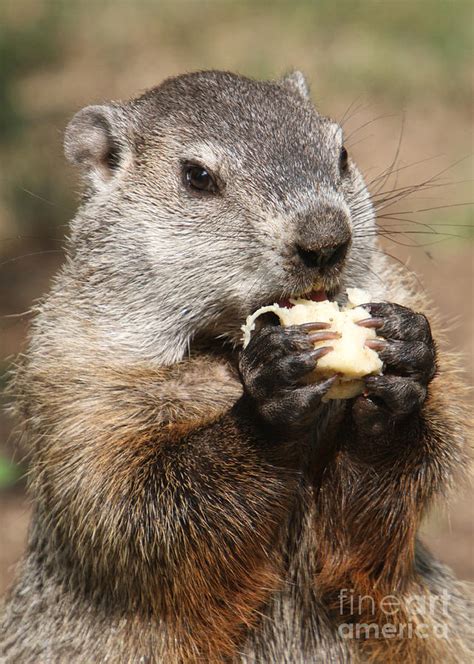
(214, 194)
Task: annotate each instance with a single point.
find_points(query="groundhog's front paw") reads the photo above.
(409, 355)
(273, 368)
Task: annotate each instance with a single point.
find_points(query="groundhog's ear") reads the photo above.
(96, 140)
(296, 81)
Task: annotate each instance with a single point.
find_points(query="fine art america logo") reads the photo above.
(419, 616)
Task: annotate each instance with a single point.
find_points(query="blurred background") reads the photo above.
(397, 73)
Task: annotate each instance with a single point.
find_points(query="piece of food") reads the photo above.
(350, 357)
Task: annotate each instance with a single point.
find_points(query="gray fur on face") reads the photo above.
(183, 264)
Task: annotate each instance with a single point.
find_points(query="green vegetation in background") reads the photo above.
(31, 40)
(394, 50)
(24, 47)
(10, 473)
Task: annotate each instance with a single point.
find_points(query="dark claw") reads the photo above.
(323, 336)
(324, 385)
(370, 322)
(321, 352)
(314, 326)
(376, 344)
(314, 391)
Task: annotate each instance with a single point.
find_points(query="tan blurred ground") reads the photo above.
(393, 68)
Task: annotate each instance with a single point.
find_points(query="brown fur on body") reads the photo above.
(168, 525)
(165, 525)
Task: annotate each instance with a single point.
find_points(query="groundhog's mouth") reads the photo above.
(314, 295)
(271, 319)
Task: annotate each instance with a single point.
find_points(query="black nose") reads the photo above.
(323, 256)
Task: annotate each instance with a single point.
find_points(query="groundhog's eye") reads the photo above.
(343, 160)
(199, 179)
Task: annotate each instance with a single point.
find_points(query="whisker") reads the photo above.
(20, 315)
(34, 253)
(384, 252)
(364, 138)
(390, 169)
(346, 117)
(365, 124)
(40, 198)
(435, 207)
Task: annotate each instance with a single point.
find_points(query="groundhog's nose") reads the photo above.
(323, 236)
(323, 256)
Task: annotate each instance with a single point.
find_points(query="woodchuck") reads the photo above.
(196, 502)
